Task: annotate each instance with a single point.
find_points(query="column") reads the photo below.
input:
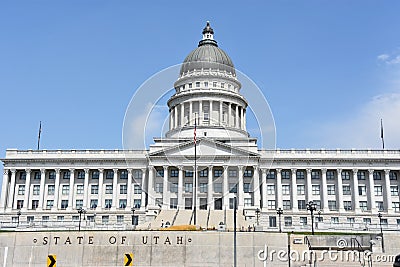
(325, 205)
(241, 118)
(86, 190)
(143, 194)
(115, 189)
(182, 114)
(295, 207)
(4, 189)
(190, 114)
(309, 185)
(210, 188)
(237, 116)
(165, 188)
(340, 191)
(256, 190)
(220, 113)
(170, 119)
(244, 119)
(176, 117)
(56, 189)
(225, 192)
(100, 194)
(71, 189)
(200, 112)
(240, 192)
(181, 203)
(388, 194)
(129, 203)
(371, 192)
(11, 190)
(279, 202)
(27, 189)
(150, 188)
(229, 115)
(355, 192)
(42, 188)
(212, 122)
(264, 188)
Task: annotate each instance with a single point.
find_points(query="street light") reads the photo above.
(258, 216)
(18, 214)
(311, 206)
(133, 215)
(279, 211)
(80, 211)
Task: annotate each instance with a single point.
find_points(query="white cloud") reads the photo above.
(383, 57)
(389, 59)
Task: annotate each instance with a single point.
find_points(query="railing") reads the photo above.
(208, 218)
(176, 215)
(361, 253)
(313, 260)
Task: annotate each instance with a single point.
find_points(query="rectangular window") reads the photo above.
(367, 220)
(315, 174)
(109, 174)
(197, 84)
(378, 190)
(174, 173)
(361, 175)
(36, 175)
(377, 175)
(188, 187)
(303, 220)
(189, 173)
(232, 203)
(79, 189)
(363, 206)
(300, 189)
(347, 205)
(203, 187)
(205, 84)
(120, 218)
(36, 190)
(393, 175)
(20, 204)
(394, 190)
(204, 173)
(379, 205)
(49, 204)
(218, 173)
(94, 189)
(122, 203)
(301, 204)
(330, 175)
(246, 187)
(271, 204)
(60, 218)
(315, 190)
(396, 206)
(64, 204)
(159, 187)
(93, 203)
(79, 203)
(22, 175)
(285, 189)
(285, 174)
(332, 204)
(214, 84)
(173, 203)
(45, 218)
(66, 174)
(362, 190)
(300, 174)
(160, 172)
(317, 204)
(248, 173)
(270, 189)
(109, 189)
(123, 174)
(81, 175)
(345, 175)
(346, 190)
(218, 187)
(287, 221)
(138, 203)
(137, 189)
(331, 189)
(35, 204)
(335, 220)
(272, 221)
(123, 189)
(105, 219)
(95, 174)
(222, 85)
(248, 202)
(232, 173)
(287, 205)
(190, 85)
(52, 175)
(271, 174)
(174, 188)
(351, 221)
(232, 188)
(108, 203)
(137, 174)
(21, 190)
(65, 189)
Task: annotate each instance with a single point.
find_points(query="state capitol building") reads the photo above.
(161, 186)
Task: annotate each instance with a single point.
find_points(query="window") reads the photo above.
(347, 205)
(174, 188)
(367, 220)
(105, 219)
(271, 174)
(246, 187)
(206, 116)
(160, 172)
(300, 189)
(79, 203)
(285, 189)
(95, 174)
(120, 218)
(109, 189)
(315, 174)
(270, 189)
(392, 175)
(272, 221)
(65, 189)
(351, 221)
(197, 84)
(317, 204)
(346, 190)
(188, 173)
(203, 187)
(330, 175)
(107, 203)
(398, 222)
(93, 203)
(137, 189)
(81, 175)
(122, 203)
(286, 174)
(363, 206)
(36, 190)
(123, 189)
(66, 174)
(232, 173)
(396, 206)
(335, 220)
(222, 85)
(109, 174)
(331, 189)
(60, 218)
(378, 190)
(174, 172)
(204, 173)
(217, 173)
(303, 220)
(20, 204)
(79, 189)
(159, 187)
(394, 190)
(218, 187)
(123, 174)
(137, 174)
(271, 204)
(379, 205)
(190, 85)
(287, 205)
(361, 175)
(137, 203)
(52, 175)
(232, 188)
(362, 190)
(300, 174)
(49, 204)
(21, 190)
(345, 175)
(332, 204)
(173, 203)
(94, 189)
(22, 175)
(315, 190)
(64, 204)
(248, 202)
(214, 84)
(377, 175)
(205, 84)
(232, 203)
(188, 187)
(35, 204)
(36, 175)
(45, 218)
(287, 221)
(248, 173)
(301, 204)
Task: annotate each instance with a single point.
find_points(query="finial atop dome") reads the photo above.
(208, 35)
(208, 30)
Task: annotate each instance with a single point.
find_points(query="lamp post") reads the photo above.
(319, 216)
(80, 211)
(133, 215)
(380, 226)
(258, 216)
(18, 214)
(311, 206)
(279, 211)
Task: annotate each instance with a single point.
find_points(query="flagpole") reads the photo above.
(40, 131)
(195, 171)
(383, 140)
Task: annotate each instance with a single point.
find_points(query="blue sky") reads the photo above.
(329, 69)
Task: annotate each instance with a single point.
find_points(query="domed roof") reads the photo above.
(208, 55)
